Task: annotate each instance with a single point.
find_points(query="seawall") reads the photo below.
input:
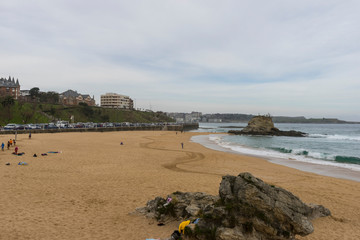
(180, 127)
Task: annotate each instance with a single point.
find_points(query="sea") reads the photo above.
(328, 149)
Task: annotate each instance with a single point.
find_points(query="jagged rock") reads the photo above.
(260, 124)
(230, 234)
(246, 208)
(263, 125)
(183, 205)
(277, 211)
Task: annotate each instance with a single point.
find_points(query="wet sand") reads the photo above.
(89, 189)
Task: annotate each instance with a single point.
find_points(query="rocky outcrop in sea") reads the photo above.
(246, 209)
(263, 125)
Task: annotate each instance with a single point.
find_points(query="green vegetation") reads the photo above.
(19, 112)
(12, 111)
(43, 97)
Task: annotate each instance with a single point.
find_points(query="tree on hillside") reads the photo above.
(34, 92)
(86, 109)
(49, 97)
(27, 113)
(7, 102)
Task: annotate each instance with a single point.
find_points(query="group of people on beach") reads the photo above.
(10, 143)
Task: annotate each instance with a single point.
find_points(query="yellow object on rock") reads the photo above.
(183, 225)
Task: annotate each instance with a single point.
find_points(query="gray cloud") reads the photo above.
(282, 57)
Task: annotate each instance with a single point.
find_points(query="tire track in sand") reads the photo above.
(190, 157)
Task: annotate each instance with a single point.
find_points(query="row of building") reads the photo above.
(194, 117)
(10, 87)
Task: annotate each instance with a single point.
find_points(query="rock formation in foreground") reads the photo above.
(263, 125)
(246, 209)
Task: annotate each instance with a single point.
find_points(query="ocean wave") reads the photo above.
(319, 155)
(282, 150)
(335, 137)
(302, 155)
(293, 151)
(345, 159)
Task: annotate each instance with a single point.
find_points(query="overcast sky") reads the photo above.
(283, 57)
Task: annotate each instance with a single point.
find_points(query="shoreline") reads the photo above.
(91, 188)
(324, 170)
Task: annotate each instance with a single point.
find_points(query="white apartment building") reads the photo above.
(114, 100)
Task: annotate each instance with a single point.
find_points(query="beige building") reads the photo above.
(114, 100)
(71, 97)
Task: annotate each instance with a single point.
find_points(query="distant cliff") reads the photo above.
(233, 117)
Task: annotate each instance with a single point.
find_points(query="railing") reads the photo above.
(179, 127)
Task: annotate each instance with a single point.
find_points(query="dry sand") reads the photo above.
(88, 190)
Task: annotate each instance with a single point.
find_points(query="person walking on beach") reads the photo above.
(11, 142)
(2, 146)
(8, 145)
(29, 135)
(16, 150)
(182, 145)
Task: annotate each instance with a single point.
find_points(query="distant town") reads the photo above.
(11, 88)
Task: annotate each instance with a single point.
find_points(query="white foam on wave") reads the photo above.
(215, 139)
(306, 153)
(336, 137)
(311, 157)
(299, 151)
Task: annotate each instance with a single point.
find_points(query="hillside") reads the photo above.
(21, 112)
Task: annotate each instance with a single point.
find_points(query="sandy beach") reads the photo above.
(90, 189)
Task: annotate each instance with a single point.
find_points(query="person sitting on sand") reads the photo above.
(183, 225)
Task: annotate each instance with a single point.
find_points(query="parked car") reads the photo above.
(31, 126)
(10, 126)
(19, 127)
(51, 126)
(41, 126)
(79, 125)
(62, 124)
